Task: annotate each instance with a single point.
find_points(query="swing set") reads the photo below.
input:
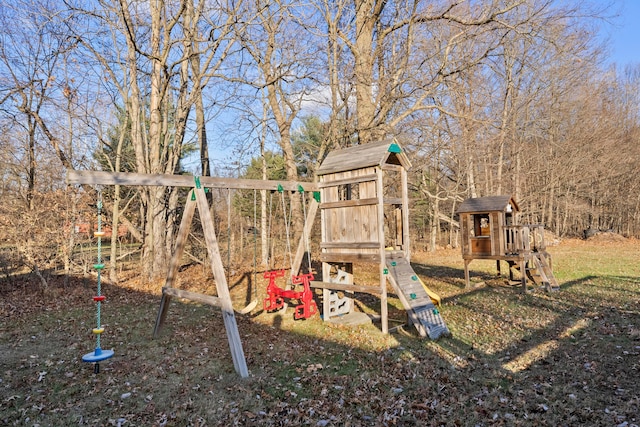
(197, 199)
(276, 295)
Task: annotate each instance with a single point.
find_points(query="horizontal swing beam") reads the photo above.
(193, 296)
(141, 179)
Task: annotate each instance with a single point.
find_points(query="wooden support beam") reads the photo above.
(193, 296)
(393, 201)
(352, 180)
(523, 275)
(233, 336)
(174, 263)
(349, 203)
(338, 257)
(345, 287)
(223, 300)
(467, 281)
(406, 237)
(162, 314)
(350, 245)
(384, 309)
(140, 179)
(302, 245)
(181, 239)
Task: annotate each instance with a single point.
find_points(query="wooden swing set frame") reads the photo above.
(197, 198)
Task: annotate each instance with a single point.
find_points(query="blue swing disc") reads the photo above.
(98, 355)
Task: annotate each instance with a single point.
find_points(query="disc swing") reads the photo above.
(277, 295)
(98, 355)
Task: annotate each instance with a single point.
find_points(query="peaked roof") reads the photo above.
(363, 156)
(488, 204)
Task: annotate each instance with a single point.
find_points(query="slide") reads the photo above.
(416, 298)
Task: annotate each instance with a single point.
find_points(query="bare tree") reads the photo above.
(274, 37)
(171, 52)
(40, 95)
(402, 51)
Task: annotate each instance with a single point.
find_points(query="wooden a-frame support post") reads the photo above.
(174, 264)
(224, 298)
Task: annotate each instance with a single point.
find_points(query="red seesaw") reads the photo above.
(275, 300)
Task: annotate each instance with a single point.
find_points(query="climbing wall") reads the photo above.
(335, 304)
(423, 314)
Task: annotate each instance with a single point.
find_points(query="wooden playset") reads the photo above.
(364, 193)
(490, 230)
(364, 209)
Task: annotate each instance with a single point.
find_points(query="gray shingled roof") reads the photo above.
(487, 204)
(363, 156)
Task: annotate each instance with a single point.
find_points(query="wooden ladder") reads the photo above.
(542, 273)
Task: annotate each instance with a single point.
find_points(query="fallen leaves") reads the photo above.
(576, 356)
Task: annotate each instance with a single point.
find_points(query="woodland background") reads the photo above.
(487, 97)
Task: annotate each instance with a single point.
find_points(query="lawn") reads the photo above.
(567, 358)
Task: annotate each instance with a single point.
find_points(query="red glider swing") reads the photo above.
(277, 295)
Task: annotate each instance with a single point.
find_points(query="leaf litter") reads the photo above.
(569, 358)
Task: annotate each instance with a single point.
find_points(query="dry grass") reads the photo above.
(569, 358)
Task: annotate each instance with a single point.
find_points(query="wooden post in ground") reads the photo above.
(233, 336)
(384, 309)
(523, 275)
(467, 280)
(406, 235)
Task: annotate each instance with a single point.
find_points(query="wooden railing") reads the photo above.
(520, 239)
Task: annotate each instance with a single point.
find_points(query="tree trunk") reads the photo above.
(264, 233)
(367, 15)
(435, 224)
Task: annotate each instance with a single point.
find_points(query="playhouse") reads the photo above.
(490, 230)
(365, 218)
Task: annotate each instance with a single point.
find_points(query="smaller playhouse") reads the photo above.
(490, 230)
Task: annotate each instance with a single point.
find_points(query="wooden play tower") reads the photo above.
(365, 219)
(490, 230)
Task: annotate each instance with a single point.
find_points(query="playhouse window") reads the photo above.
(481, 226)
(348, 192)
(508, 218)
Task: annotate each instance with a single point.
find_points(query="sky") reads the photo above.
(625, 34)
